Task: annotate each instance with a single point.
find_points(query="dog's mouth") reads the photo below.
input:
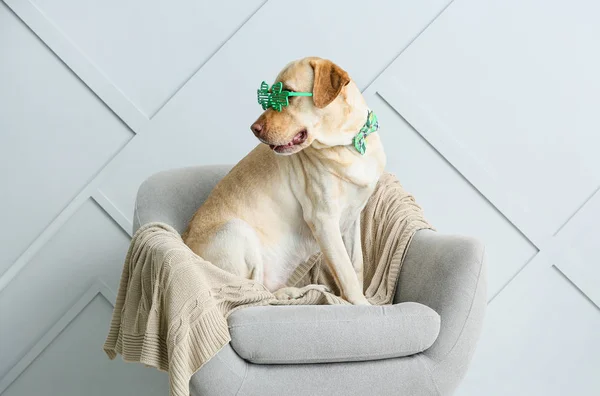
(297, 140)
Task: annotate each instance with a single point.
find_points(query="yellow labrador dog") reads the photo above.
(302, 190)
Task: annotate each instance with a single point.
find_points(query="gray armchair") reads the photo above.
(443, 272)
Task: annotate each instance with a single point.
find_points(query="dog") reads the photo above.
(300, 191)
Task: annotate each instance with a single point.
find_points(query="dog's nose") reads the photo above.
(256, 129)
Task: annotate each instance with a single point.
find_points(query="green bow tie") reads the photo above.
(371, 125)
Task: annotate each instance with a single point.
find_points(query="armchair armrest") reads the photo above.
(448, 274)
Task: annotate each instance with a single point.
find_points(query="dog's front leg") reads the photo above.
(352, 242)
(330, 241)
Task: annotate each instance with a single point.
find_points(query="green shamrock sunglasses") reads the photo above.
(276, 97)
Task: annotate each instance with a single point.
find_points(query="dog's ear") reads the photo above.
(329, 81)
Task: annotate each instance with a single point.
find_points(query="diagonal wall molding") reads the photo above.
(97, 288)
(209, 59)
(123, 221)
(81, 66)
(371, 86)
(52, 228)
(457, 155)
(575, 251)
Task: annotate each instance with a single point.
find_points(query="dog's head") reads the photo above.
(331, 117)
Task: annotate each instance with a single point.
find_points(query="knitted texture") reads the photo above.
(172, 306)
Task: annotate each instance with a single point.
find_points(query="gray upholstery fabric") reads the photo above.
(444, 272)
(447, 273)
(407, 376)
(296, 334)
(173, 196)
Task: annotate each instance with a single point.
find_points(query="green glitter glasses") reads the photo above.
(276, 97)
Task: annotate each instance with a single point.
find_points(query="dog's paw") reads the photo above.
(358, 300)
(292, 293)
(320, 288)
(288, 293)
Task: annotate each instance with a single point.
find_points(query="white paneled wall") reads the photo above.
(488, 113)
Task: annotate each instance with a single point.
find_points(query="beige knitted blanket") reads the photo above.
(172, 306)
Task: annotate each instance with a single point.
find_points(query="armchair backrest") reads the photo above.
(173, 196)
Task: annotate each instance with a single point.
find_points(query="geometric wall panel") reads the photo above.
(88, 246)
(578, 254)
(74, 363)
(450, 203)
(514, 104)
(148, 55)
(56, 134)
(540, 340)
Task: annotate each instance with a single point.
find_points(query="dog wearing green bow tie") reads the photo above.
(302, 189)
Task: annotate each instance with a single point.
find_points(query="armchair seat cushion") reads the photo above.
(323, 334)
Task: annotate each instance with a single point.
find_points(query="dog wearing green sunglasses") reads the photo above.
(302, 189)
